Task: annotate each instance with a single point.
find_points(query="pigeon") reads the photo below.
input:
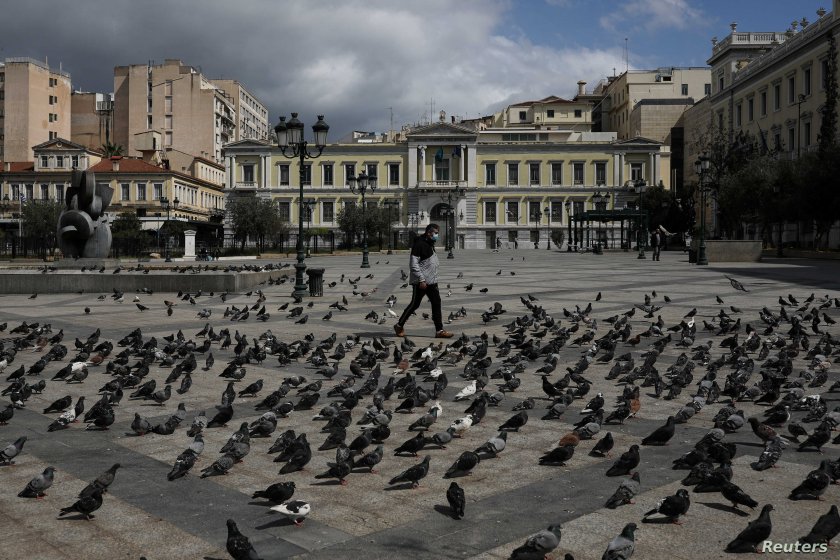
(238, 545)
(625, 492)
(604, 446)
(413, 474)
(623, 545)
(515, 422)
(737, 285)
(494, 445)
(140, 425)
(278, 492)
(558, 456)
(338, 470)
(102, 482)
(465, 463)
(457, 500)
(826, 528)
(183, 463)
(538, 545)
(628, 461)
(754, 534)
(296, 510)
(85, 505)
(661, 435)
(672, 507)
(38, 486)
(370, 460)
(222, 417)
(11, 451)
(734, 494)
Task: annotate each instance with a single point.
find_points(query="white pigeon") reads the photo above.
(466, 392)
(77, 367)
(461, 425)
(390, 312)
(436, 405)
(136, 299)
(435, 373)
(296, 510)
(4, 363)
(427, 353)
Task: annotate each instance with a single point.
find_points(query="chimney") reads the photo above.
(581, 87)
(115, 163)
(7, 166)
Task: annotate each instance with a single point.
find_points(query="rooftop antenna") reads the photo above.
(391, 129)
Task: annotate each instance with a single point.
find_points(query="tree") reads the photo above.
(127, 232)
(109, 149)
(255, 219)
(828, 126)
(40, 222)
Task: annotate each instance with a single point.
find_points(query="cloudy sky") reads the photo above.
(360, 61)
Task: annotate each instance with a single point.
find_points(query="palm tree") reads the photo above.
(110, 149)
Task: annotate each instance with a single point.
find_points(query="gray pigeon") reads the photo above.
(370, 460)
(12, 450)
(220, 466)
(102, 482)
(39, 485)
(538, 545)
(622, 546)
(494, 445)
(625, 492)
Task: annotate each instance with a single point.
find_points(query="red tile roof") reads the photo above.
(18, 166)
(128, 166)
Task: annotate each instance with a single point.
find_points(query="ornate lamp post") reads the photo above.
(292, 145)
(361, 184)
(568, 206)
(169, 205)
(641, 187)
(537, 219)
(547, 212)
(451, 213)
(391, 204)
(701, 167)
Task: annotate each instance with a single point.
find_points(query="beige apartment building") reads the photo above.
(92, 119)
(252, 119)
(34, 106)
(190, 112)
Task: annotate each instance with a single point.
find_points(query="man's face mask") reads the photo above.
(435, 236)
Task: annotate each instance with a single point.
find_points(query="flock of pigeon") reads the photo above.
(357, 391)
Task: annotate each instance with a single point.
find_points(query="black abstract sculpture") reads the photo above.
(83, 231)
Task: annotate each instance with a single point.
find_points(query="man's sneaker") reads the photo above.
(443, 334)
(399, 331)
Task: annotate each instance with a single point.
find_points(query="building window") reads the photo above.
(167, 121)
(556, 173)
(283, 174)
(74, 160)
(441, 169)
(578, 113)
(806, 81)
(523, 116)
(148, 122)
(30, 194)
(284, 210)
(327, 211)
(512, 212)
(59, 193)
(534, 174)
(636, 171)
(167, 104)
(141, 192)
(684, 89)
(59, 161)
(777, 141)
(750, 110)
(549, 113)
(45, 162)
(513, 174)
(489, 211)
(328, 174)
(349, 171)
(707, 89)
(307, 174)
(792, 89)
(577, 173)
(394, 174)
(600, 173)
(489, 173)
(777, 96)
(791, 139)
(720, 84)
(126, 191)
(45, 192)
(823, 74)
(556, 211)
(762, 103)
(157, 191)
(15, 192)
(720, 120)
(738, 114)
(534, 210)
(248, 173)
(806, 135)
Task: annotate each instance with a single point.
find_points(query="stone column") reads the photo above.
(652, 172)
(657, 162)
(616, 170)
(463, 163)
(422, 163)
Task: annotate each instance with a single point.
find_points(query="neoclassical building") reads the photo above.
(512, 177)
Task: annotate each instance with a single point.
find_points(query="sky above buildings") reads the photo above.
(367, 63)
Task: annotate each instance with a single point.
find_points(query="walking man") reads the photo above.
(656, 243)
(423, 277)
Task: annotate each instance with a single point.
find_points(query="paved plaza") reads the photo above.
(507, 498)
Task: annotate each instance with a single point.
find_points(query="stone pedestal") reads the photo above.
(189, 244)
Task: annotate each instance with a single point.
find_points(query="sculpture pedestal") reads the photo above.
(77, 264)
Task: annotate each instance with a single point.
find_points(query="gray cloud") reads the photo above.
(350, 60)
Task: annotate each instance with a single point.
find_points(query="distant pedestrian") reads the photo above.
(423, 266)
(656, 243)
(498, 244)
(516, 244)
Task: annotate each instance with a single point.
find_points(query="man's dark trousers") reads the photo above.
(431, 292)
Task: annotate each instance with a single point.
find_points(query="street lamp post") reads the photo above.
(547, 212)
(701, 167)
(458, 192)
(292, 145)
(361, 184)
(537, 219)
(391, 204)
(641, 187)
(568, 205)
(168, 205)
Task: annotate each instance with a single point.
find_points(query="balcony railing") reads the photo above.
(439, 185)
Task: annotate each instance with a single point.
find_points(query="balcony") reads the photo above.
(438, 185)
(245, 185)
